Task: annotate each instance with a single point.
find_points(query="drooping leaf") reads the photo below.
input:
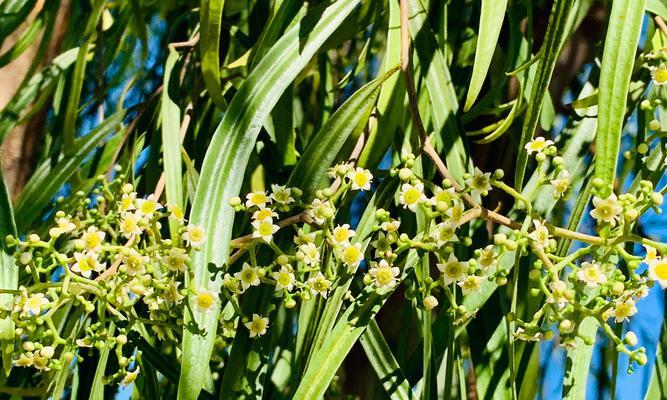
(490, 22)
(209, 45)
(625, 24)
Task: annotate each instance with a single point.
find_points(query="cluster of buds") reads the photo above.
(99, 272)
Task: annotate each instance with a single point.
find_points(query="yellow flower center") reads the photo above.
(537, 145)
(258, 325)
(264, 214)
(148, 207)
(91, 240)
(265, 229)
(661, 270)
(592, 274)
(360, 179)
(205, 300)
(284, 279)
(351, 254)
(453, 269)
(248, 276)
(341, 234)
(384, 276)
(86, 264)
(320, 285)
(661, 76)
(125, 203)
(411, 196)
(258, 198)
(196, 235)
(129, 224)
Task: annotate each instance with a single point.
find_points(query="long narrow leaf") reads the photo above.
(490, 23)
(209, 45)
(223, 171)
(618, 59)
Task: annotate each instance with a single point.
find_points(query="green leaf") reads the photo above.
(12, 14)
(78, 75)
(343, 336)
(490, 22)
(224, 166)
(209, 45)
(97, 389)
(171, 141)
(657, 388)
(347, 122)
(49, 176)
(625, 24)
(9, 274)
(390, 99)
(384, 363)
(23, 42)
(441, 92)
(553, 41)
(579, 360)
(657, 7)
(37, 87)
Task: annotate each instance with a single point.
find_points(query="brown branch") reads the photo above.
(188, 43)
(661, 24)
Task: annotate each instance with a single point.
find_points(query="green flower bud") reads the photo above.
(642, 148)
(657, 198)
(430, 302)
(235, 201)
(630, 338)
(405, 174)
(654, 125)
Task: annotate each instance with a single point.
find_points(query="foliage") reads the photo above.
(230, 195)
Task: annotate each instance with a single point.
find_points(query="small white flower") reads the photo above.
(35, 303)
(623, 310)
(487, 257)
(540, 235)
(264, 213)
(176, 212)
(561, 184)
(205, 300)
(479, 182)
(284, 279)
(538, 145)
(320, 211)
(92, 239)
(319, 285)
(342, 234)
(86, 263)
(264, 229)
(390, 226)
(281, 195)
(148, 206)
(383, 274)
(441, 195)
(606, 210)
(176, 260)
(129, 225)
(453, 270)
(352, 254)
(591, 274)
(444, 233)
(471, 284)
(309, 254)
(412, 195)
(64, 226)
(657, 271)
(126, 202)
(194, 236)
(257, 326)
(659, 74)
(248, 276)
(557, 296)
(651, 255)
(360, 178)
(257, 199)
(455, 213)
